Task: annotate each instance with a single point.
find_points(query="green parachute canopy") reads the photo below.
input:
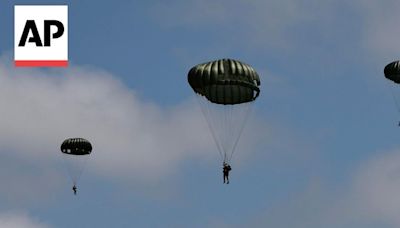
(225, 81)
(392, 71)
(76, 146)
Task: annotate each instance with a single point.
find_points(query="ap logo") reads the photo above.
(41, 35)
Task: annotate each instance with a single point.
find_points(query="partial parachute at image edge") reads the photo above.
(392, 71)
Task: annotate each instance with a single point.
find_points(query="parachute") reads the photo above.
(226, 90)
(392, 72)
(75, 152)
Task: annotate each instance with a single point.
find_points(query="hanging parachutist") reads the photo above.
(74, 189)
(226, 169)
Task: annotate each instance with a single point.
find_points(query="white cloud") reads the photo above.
(19, 220)
(350, 26)
(310, 207)
(132, 140)
(130, 137)
(380, 26)
(377, 186)
(370, 198)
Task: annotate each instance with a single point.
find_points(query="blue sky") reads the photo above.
(320, 149)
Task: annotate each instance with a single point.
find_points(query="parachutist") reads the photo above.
(226, 169)
(76, 151)
(74, 189)
(226, 89)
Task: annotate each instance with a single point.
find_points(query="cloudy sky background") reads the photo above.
(320, 149)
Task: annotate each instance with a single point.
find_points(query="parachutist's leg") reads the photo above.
(227, 179)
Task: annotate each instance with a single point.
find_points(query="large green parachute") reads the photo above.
(76, 152)
(225, 81)
(226, 89)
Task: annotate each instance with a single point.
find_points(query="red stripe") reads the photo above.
(41, 63)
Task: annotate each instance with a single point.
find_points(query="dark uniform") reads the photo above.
(226, 170)
(74, 189)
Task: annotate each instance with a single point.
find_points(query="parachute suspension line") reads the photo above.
(83, 168)
(68, 168)
(393, 92)
(225, 125)
(210, 123)
(231, 130)
(205, 109)
(247, 114)
(216, 124)
(228, 130)
(75, 166)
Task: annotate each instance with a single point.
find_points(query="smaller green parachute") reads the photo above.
(76, 146)
(392, 71)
